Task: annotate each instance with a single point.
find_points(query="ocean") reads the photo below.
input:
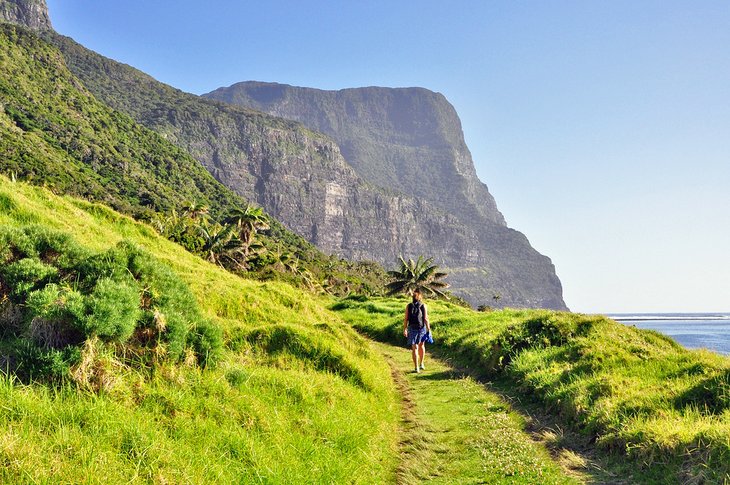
(692, 330)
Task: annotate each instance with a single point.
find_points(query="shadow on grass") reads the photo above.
(590, 466)
(440, 376)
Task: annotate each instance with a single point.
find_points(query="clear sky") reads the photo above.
(601, 128)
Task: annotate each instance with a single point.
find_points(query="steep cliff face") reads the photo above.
(406, 139)
(301, 178)
(410, 141)
(28, 13)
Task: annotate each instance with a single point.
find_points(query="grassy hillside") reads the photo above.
(54, 132)
(634, 393)
(296, 395)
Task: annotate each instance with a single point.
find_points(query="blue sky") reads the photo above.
(601, 128)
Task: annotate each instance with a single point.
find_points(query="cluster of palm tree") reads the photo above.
(235, 243)
(231, 244)
(421, 275)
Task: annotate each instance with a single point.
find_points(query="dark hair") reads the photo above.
(417, 295)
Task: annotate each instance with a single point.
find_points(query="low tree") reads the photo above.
(220, 244)
(421, 274)
(248, 222)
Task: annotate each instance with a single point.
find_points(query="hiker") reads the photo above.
(416, 329)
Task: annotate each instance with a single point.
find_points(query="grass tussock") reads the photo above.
(634, 393)
(295, 396)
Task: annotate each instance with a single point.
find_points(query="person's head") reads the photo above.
(417, 295)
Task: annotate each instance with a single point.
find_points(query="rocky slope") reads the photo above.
(301, 178)
(406, 139)
(29, 13)
(409, 140)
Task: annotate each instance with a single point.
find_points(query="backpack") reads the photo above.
(415, 315)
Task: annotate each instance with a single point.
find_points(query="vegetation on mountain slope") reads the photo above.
(635, 393)
(296, 395)
(301, 178)
(53, 132)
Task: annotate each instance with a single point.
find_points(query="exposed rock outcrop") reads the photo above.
(28, 13)
(410, 141)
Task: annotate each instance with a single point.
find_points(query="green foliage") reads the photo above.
(113, 310)
(285, 417)
(121, 296)
(25, 274)
(206, 339)
(660, 410)
(420, 275)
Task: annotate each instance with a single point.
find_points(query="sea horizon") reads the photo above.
(692, 330)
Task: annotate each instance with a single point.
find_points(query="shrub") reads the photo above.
(55, 316)
(206, 340)
(26, 274)
(113, 310)
(14, 244)
(61, 295)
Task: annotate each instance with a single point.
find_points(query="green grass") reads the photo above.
(456, 431)
(652, 408)
(297, 396)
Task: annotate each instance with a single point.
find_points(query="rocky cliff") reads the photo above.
(28, 13)
(409, 141)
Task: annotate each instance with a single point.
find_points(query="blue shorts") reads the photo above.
(416, 336)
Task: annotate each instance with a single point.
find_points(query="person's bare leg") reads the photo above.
(414, 354)
(421, 353)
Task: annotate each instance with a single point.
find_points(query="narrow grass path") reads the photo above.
(456, 431)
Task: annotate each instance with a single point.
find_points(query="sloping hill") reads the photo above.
(301, 178)
(651, 410)
(296, 395)
(54, 132)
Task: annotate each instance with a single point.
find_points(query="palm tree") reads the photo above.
(284, 261)
(219, 243)
(248, 221)
(421, 274)
(195, 210)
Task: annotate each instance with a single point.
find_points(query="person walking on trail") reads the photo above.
(416, 329)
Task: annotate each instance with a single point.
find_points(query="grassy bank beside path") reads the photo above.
(455, 431)
(647, 409)
(297, 396)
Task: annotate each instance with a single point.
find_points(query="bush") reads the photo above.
(61, 295)
(55, 315)
(26, 274)
(206, 340)
(113, 310)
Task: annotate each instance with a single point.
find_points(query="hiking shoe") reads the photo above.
(417, 370)
(423, 367)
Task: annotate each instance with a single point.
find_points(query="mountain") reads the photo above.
(29, 13)
(55, 132)
(302, 179)
(409, 141)
(298, 175)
